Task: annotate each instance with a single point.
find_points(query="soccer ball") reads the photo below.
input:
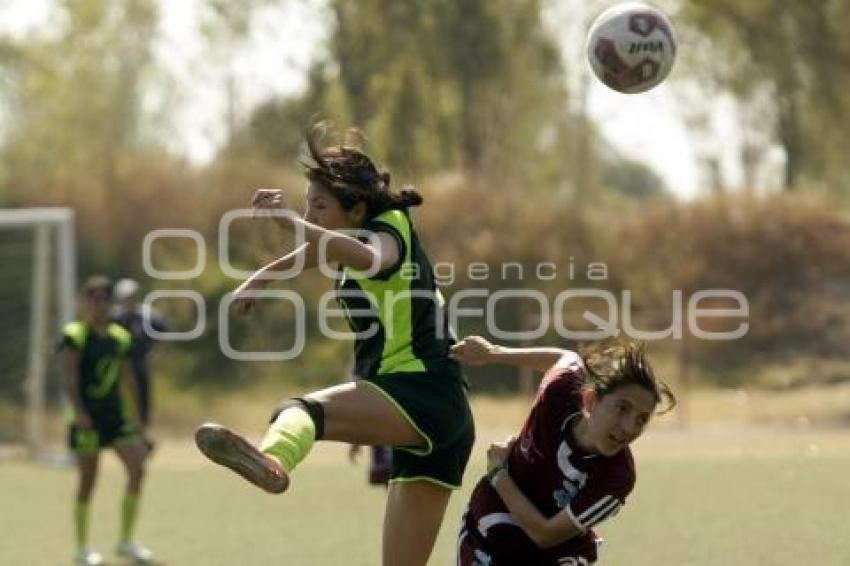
(631, 47)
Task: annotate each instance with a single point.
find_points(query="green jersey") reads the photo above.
(398, 315)
(101, 363)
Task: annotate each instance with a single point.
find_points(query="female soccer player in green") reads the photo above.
(94, 356)
(410, 394)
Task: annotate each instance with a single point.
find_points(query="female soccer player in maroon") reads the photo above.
(571, 467)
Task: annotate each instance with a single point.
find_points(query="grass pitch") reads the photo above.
(748, 496)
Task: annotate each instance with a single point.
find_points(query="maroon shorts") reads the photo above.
(473, 550)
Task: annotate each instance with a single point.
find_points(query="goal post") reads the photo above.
(44, 237)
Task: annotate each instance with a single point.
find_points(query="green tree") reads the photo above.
(632, 179)
(74, 99)
(474, 85)
(225, 25)
(798, 53)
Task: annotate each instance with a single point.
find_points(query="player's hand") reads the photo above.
(497, 453)
(243, 303)
(354, 452)
(270, 200)
(472, 351)
(84, 421)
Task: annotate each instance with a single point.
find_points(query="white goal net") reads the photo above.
(37, 296)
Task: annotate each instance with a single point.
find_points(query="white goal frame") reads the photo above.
(50, 225)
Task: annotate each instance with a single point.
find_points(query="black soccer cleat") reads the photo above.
(227, 448)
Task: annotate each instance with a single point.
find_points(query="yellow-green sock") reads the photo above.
(81, 524)
(290, 437)
(129, 511)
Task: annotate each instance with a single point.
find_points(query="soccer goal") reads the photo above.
(38, 261)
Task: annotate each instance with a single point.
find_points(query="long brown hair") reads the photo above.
(351, 176)
(612, 364)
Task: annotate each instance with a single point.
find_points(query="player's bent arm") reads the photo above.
(70, 371)
(382, 251)
(534, 358)
(475, 350)
(260, 278)
(305, 250)
(545, 532)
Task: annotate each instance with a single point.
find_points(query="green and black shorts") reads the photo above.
(437, 407)
(108, 430)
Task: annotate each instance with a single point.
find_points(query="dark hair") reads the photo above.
(97, 283)
(612, 364)
(351, 176)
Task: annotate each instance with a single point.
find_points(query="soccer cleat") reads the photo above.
(225, 447)
(134, 551)
(86, 557)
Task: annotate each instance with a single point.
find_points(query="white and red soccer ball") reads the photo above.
(631, 47)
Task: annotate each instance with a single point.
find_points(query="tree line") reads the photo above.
(471, 100)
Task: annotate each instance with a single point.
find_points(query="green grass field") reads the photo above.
(749, 496)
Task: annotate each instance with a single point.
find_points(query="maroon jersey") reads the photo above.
(556, 475)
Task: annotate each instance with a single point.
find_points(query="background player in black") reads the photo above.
(571, 467)
(94, 356)
(380, 462)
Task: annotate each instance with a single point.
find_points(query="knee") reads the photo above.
(135, 474)
(134, 481)
(311, 406)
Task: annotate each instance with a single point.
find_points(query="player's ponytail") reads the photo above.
(407, 198)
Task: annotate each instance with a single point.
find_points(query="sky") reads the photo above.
(646, 127)
(271, 62)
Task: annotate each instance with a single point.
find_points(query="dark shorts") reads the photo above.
(104, 434)
(473, 549)
(438, 409)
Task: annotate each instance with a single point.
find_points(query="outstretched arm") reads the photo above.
(545, 532)
(476, 351)
(261, 278)
(288, 261)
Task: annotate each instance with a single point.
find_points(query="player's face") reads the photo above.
(98, 302)
(618, 418)
(326, 211)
